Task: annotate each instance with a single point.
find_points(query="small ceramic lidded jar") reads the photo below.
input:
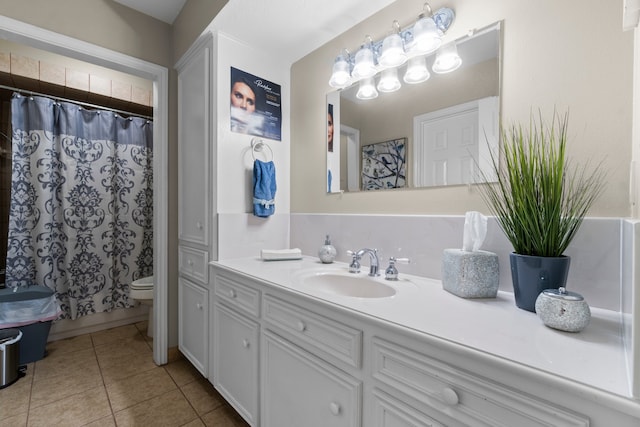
(563, 310)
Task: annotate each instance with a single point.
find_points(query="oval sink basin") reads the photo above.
(350, 286)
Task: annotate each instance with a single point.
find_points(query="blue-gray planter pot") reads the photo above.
(533, 274)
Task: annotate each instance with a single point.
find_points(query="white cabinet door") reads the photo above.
(194, 77)
(235, 361)
(193, 322)
(299, 389)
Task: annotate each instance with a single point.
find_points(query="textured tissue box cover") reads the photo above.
(470, 274)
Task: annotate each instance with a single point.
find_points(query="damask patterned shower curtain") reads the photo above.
(81, 214)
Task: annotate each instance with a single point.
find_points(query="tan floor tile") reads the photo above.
(82, 342)
(66, 363)
(129, 346)
(170, 409)
(112, 335)
(56, 387)
(103, 422)
(73, 410)
(183, 372)
(142, 327)
(195, 423)
(138, 388)
(19, 420)
(173, 355)
(14, 399)
(202, 396)
(224, 416)
(123, 367)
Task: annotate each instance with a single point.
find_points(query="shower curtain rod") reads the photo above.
(84, 104)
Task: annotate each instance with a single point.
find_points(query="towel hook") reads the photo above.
(257, 146)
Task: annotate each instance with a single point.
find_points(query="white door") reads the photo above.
(449, 143)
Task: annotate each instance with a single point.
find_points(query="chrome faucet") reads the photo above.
(354, 267)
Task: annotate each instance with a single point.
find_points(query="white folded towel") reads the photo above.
(280, 254)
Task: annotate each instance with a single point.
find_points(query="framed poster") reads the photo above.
(384, 165)
(255, 105)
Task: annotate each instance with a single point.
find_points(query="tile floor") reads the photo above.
(108, 378)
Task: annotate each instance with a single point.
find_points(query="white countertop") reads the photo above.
(593, 357)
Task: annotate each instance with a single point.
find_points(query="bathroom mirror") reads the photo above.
(449, 123)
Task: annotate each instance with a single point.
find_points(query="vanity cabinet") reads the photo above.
(284, 358)
(193, 323)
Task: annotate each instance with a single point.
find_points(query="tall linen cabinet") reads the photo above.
(197, 229)
(219, 321)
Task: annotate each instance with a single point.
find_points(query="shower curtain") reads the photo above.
(81, 211)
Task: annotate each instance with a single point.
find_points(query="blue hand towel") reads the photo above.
(264, 188)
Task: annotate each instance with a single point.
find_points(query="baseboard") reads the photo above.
(66, 328)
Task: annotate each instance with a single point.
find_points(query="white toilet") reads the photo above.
(141, 290)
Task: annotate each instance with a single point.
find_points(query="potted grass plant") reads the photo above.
(539, 202)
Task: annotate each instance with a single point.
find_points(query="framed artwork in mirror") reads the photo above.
(384, 165)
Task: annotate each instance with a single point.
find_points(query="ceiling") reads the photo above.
(163, 10)
(290, 28)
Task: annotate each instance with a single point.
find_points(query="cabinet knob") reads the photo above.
(450, 396)
(190, 262)
(232, 293)
(301, 326)
(199, 225)
(245, 343)
(334, 408)
(199, 306)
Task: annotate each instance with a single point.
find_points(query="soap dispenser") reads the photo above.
(327, 252)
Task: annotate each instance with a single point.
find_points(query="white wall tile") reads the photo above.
(595, 251)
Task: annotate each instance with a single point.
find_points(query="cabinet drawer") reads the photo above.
(459, 397)
(237, 295)
(314, 331)
(193, 263)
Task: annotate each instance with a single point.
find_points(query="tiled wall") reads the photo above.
(57, 80)
(595, 252)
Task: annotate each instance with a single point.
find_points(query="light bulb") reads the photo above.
(341, 73)
(447, 59)
(364, 66)
(426, 36)
(367, 89)
(417, 71)
(389, 80)
(392, 53)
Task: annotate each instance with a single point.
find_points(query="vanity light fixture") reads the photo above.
(447, 59)
(417, 71)
(364, 63)
(367, 89)
(389, 80)
(413, 43)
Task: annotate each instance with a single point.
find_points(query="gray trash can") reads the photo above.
(9, 356)
(30, 309)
